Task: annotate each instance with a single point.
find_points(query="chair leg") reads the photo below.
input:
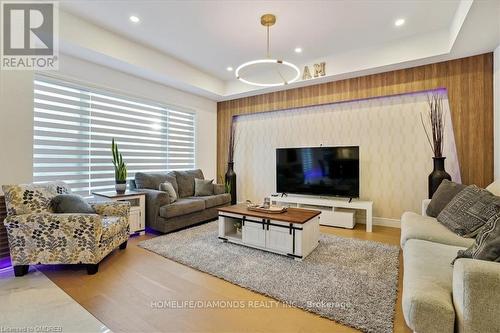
(20, 270)
(123, 245)
(92, 269)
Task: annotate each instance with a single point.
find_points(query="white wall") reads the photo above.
(16, 113)
(496, 101)
(16, 126)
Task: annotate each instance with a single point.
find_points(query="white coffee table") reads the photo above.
(294, 233)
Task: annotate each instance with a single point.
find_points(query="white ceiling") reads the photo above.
(212, 35)
(189, 44)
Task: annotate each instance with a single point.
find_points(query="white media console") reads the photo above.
(334, 212)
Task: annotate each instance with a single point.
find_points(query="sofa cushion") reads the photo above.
(182, 207)
(185, 181)
(203, 187)
(152, 181)
(214, 200)
(469, 211)
(219, 188)
(446, 191)
(427, 286)
(415, 226)
(487, 244)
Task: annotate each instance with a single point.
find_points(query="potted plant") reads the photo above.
(230, 177)
(434, 125)
(120, 169)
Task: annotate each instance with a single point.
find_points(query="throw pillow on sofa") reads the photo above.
(487, 245)
(203, 187)
(442, 197)
(169, 188)
(70, 203)
(469, 210)
(185, 181)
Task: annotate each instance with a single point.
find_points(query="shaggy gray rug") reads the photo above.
(351, 281)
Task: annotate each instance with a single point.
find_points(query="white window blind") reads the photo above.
(74, 125)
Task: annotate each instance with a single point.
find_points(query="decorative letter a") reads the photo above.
(306, 75)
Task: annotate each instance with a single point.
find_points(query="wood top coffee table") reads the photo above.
(294, 233)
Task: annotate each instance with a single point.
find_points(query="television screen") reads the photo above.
(332, 171)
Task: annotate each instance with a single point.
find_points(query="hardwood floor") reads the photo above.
(121, 295)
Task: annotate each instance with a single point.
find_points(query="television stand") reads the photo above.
(334, 212)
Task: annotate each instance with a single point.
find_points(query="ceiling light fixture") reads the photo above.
(229, 69)
(298, 50)
(268, 20)
(399, 22)
(134, 19)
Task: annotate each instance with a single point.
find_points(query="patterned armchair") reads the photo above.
(39, 236)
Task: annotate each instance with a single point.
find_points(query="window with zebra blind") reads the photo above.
(74, 126)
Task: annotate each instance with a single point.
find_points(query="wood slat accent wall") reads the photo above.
(4, 243)
(469, 82)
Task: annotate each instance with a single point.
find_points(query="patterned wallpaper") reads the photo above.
(395, 158)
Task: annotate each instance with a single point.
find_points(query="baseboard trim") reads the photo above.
(383, 221)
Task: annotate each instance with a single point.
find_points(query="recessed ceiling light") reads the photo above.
(134, 19)
(399, 22)
(298, 50)
(229, 69)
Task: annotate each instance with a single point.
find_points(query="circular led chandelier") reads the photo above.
(268, 20)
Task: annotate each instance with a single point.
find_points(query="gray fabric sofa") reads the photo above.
(441, 297)
(165, 216)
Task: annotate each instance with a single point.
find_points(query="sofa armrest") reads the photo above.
(154, 200)
(112, 208)
(219, 189)
(53, 238)
(160, 198)
(425, 204)
(476, 295)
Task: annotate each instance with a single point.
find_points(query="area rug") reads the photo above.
(353, 282)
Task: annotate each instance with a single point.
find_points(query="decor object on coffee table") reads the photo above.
(39, 236)
(120, 169)
(434, 119)
(137, 201)
(230, 179)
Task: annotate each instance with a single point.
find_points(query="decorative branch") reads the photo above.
(232, 142)
(434, 124)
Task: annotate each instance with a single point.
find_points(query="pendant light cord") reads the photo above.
(268, 54)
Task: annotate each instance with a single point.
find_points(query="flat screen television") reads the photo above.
(329, 171)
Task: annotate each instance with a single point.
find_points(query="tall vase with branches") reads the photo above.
(230, 177)
(433, 122)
